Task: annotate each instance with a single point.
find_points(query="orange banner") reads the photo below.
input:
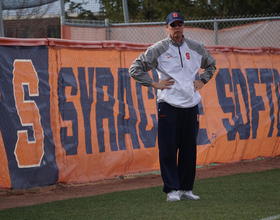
(5, 181)
(241, 106)
(71, 113)
(101, 149)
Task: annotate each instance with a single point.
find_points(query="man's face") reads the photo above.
(175, 30)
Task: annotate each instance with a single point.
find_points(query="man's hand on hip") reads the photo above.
(198, 84)
(163, 84)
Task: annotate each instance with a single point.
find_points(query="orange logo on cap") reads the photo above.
(175, 15)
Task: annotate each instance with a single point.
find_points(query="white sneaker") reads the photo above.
(187, 195)
(172, 196)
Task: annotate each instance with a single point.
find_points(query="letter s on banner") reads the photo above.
(29, 149)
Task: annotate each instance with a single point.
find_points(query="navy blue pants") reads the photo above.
(177, 133)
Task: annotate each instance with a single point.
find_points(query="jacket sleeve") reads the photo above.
(208, 63)
(144, 63)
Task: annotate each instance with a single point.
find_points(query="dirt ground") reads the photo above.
(18, 198)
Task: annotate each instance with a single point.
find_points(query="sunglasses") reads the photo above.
(175, 24)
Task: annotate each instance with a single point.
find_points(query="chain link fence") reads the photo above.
(44, 21)
(31, 19)
(38, 18)
(243, 31)
(250, 31)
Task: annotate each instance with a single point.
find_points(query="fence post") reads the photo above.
(62, 20)
(216, 31)
(107, 25)
(1, 21)
(125, 11)
(62, 12)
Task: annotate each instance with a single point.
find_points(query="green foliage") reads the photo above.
(224, 8)
(242, 196)
(158, 9)
(79, 8)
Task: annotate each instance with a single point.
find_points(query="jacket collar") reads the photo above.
(176, 44)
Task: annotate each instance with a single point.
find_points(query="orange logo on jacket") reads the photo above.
(188, 56)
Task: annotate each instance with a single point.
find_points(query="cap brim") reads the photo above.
(175, 20)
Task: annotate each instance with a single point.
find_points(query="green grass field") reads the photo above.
(240, 196)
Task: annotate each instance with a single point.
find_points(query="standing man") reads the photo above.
(177, 60)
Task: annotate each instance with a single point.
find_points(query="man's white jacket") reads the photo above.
(181, 62)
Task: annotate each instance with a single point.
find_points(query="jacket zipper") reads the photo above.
(180, 57)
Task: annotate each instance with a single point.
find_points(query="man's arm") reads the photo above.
(147, 61)
(205, 76)
(208, 72)
(139, 68)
